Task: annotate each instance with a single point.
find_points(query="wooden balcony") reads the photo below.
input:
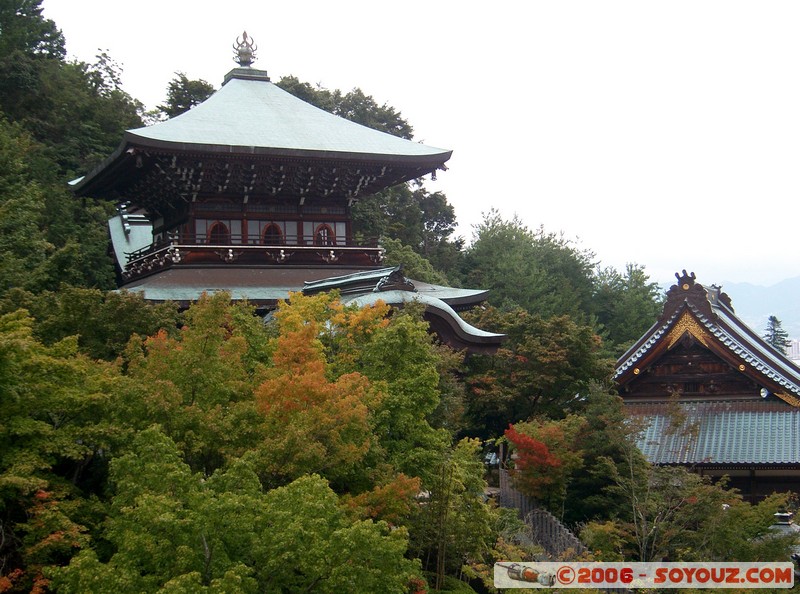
(294, 251)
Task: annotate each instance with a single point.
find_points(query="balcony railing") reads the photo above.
(294, 250)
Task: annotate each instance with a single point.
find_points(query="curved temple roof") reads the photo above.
(466, 334)
(267, 285)
(390, 286)
(250, 116)
(739, 425)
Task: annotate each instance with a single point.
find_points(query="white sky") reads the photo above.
(661, 133)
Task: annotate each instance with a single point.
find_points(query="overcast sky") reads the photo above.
(661, 133)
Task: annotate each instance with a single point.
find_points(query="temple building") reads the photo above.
(250, 192)
(713, 395)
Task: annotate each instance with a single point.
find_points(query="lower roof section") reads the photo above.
(269, 284)
(726, 433)
(264, 287)
(380, 280)
(261, 286)
(443, 319)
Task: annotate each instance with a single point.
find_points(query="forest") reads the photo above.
(329, 448)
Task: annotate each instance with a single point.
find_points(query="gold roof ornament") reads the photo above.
(244, 50)
(686, 323)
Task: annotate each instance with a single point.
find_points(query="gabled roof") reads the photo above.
(708, 316)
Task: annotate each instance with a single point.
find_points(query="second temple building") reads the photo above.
(712, 395)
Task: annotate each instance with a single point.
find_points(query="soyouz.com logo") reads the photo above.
(643, 575)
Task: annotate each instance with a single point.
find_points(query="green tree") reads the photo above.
(176, 531)
(25, 30)
(417, 218)
(455, 527)
(103, 321)
(545, 368)
(334, 554)
(73, 115)
(414, 265)
(54, 431)
(198, 384)
(678, 515)
(626, 305)
(169, 528)
(776, 336)
(402, 356)
(183, 94)
(540, 272)
(589, 496)
(24, 248)
(75, 111)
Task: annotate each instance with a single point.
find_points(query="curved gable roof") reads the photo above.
(707, 314)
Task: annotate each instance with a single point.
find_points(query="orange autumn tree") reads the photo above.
(315, 422)
(546, 454)
(326, 413)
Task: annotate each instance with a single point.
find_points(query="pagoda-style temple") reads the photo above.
(713, 395)
(250, 192)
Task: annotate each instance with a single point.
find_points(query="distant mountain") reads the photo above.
(753, 304)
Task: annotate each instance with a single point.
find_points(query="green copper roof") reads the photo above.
(251, 115)
(728, 433)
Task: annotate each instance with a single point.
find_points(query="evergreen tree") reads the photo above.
(776, 336)
(64, 117)
(23, 246)
(626, 305)
(25, 30)
(183, 94)
(544, 368)
(543, 273)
